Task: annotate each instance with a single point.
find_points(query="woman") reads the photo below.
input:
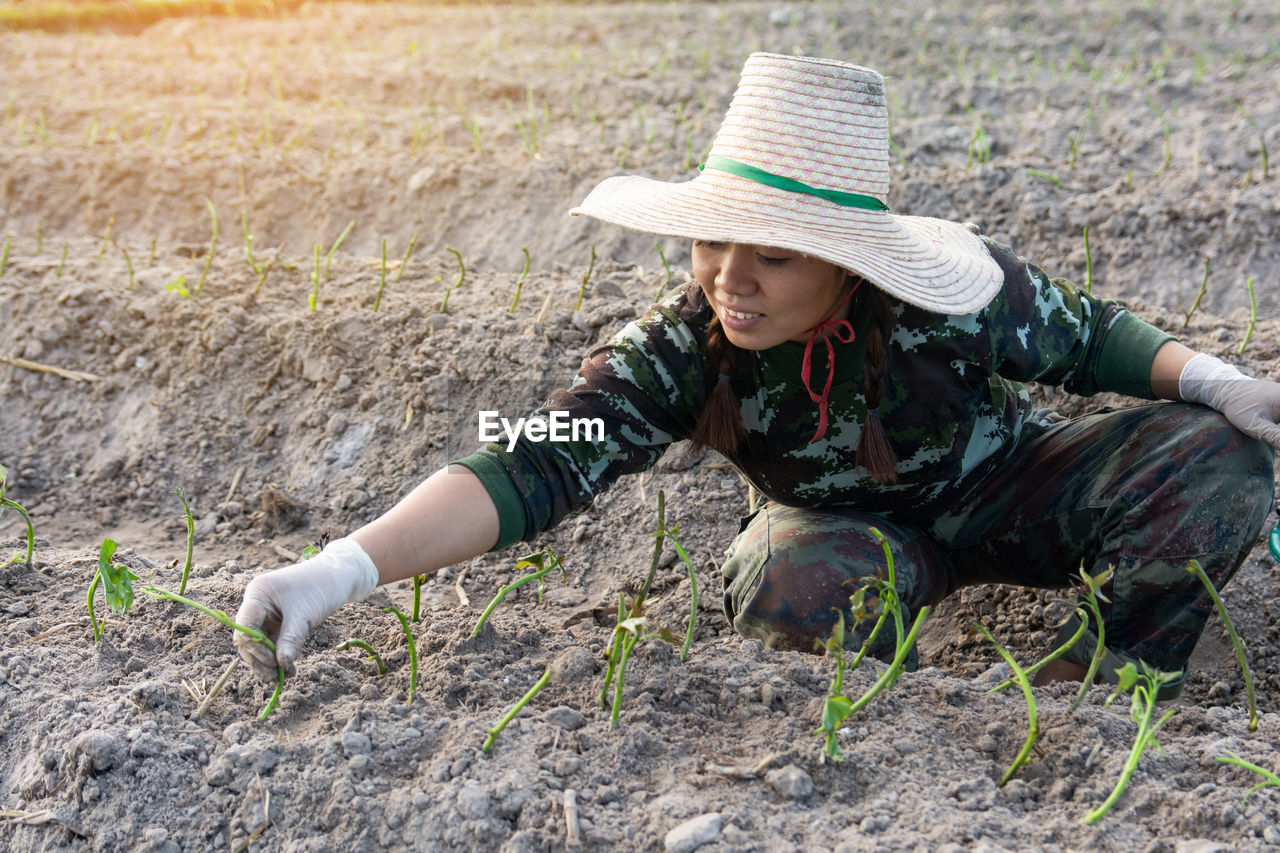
(862, 369)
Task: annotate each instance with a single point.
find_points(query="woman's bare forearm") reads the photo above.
(447, 518)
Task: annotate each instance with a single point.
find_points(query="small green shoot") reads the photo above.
(666, 531)
(666, 266)
(355, 643)
(179, 286)
(462, 275)
(582, 288)
(4, 257)
(520, 281)
(1195, 306)
(515, 709)
(315, 281)
(835, 710)
(418, 581)
(979, 147)
(191, 536)
(62, 261)
(1142, 705)
(258, 268)
(1270, 780)
(6, 503)
(1092, 592)
(1196, 569)
(1253, 318)
(117, 585)
(128, 263)
(382, 281)
(541, 562)
(213, 244)
(328, 259)
(413, 650)
(404, 262)
(1088, 263)
(1045, 176)
(106, 236)
(1033, 719)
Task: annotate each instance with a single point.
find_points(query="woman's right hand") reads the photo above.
(287, 604)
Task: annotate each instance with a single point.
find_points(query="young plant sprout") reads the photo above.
(1020, 675)
(334, 248)
(1196, 569)
(582, 288)
(629, 633)
(4, 257)
(1142, 705)
(354, 643)
(1088, 263)
(117, 585)
(1204, 286)
(5, 503)
(542, 562)
(191, 536)
(382, 281)
(213, 244)
(413, 651)
(515, 709)
(418, 581)
(179, 286)
(315, 281)
(404, 262)
(106, 236)
(62, 261)
(462, 275)
(1253, 318)
(835, 710)
(259, 269)
(1269, 780)
(520, 281)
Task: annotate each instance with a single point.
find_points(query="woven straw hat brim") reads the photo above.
(937, 265)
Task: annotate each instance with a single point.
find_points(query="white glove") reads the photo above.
(286, 604)
(1251, 405)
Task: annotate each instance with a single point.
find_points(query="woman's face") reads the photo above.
(764, 296)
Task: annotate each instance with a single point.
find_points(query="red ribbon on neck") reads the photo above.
(843, 331)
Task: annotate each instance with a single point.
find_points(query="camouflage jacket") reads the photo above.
(952, 404)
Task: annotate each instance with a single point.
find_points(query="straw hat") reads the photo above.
(802, 163)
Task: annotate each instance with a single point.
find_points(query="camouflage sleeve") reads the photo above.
(634, 396)
(1046, 330)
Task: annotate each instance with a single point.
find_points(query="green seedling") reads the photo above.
(4, 257)
(106, 236)
(835, 710)
(1253, 318)
(117, 585)
(62, 261)
(462, 275)
(542, 562)
(1142, 705)
(1052, 656)
(520, 281)
(128, 263)
(315, 281)
(353, 642)
(1088, 263)
(515, 709)
(1033, 719)
(1092, 592)
(1195, 568)
(1195, 306)
(418, 581)
(1045, 176)
(6, 503)
(179, 286)
(328, 259)
(979, 147)
(191, 537)
(382, 281)
(404, 262)
(582, 288)
(663, 532)
(413, 650)
(666, 266)
(257, 267)
(1269, 780)
(213, 245)
(257, 636)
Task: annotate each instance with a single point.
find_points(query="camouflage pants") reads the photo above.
(1142, 490)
